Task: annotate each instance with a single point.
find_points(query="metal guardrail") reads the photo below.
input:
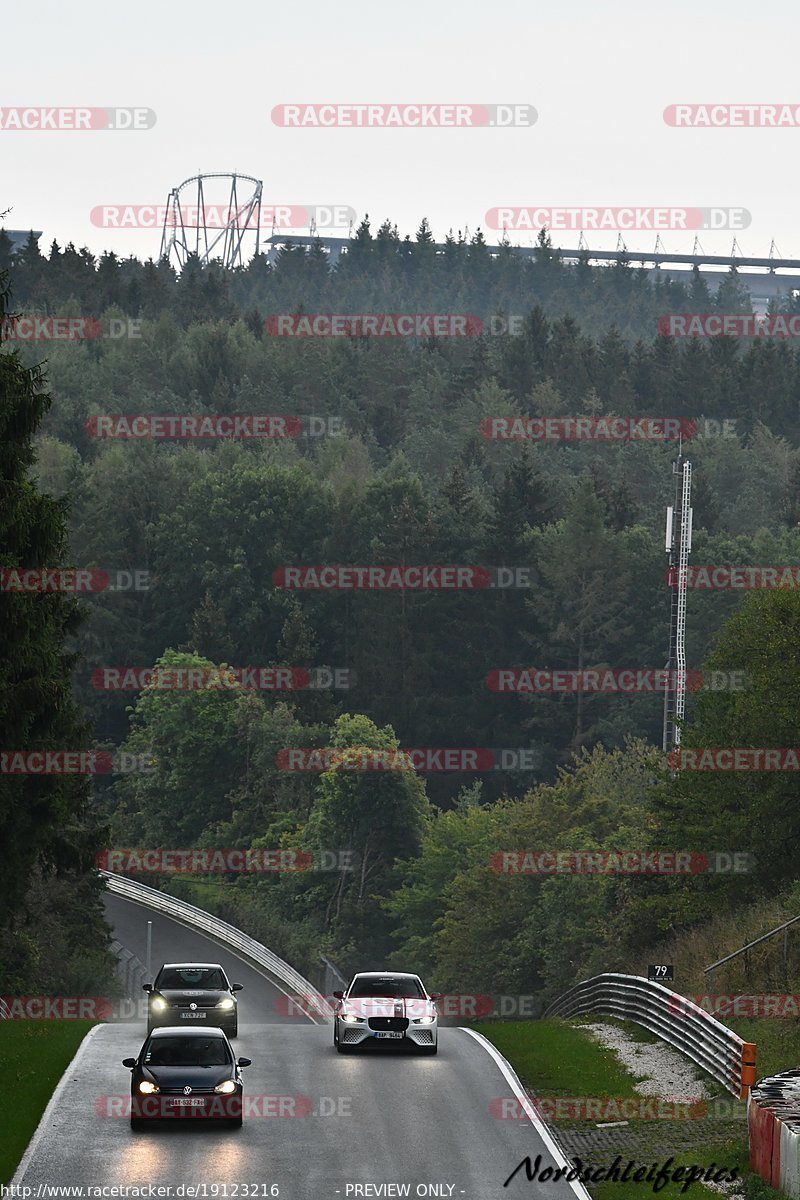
(5, 1011)
(220, 931)
(131, 971)
(744, 949)
(334, 979)
(671, 1017)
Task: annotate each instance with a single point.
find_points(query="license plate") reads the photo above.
(193, 1016)
(390, 1034)
(188, 1101)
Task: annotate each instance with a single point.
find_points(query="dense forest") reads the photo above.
(402, 473)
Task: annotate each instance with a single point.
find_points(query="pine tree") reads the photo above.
(43, 817)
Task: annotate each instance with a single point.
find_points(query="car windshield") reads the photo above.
(191, 977)
(186, 1052)
(388, 985)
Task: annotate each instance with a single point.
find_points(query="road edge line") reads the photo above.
(38, 1132)
(530, 1111)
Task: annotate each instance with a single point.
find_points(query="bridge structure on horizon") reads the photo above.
(766, 278)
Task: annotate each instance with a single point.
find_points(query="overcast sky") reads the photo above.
(598, 75)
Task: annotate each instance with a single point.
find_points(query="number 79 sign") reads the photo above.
(660, 973)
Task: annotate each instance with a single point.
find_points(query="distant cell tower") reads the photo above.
(678, 547)
(213, 229)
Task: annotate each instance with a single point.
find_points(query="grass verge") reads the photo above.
(554, 1058)
(33, 1057)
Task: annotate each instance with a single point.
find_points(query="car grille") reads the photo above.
(196, 1091)
(424, 1036)
(385, 1023)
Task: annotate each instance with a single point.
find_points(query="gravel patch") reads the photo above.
(661, 1070)
(664, 1073)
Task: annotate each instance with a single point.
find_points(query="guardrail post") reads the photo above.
(748, 1069)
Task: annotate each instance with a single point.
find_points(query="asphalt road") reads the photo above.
(322, 1126)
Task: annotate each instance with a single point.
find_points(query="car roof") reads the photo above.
(181, 1031)
(174, 966)
(384, 975)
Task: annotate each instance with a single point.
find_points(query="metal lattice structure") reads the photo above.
(197, 223)
(678, 546)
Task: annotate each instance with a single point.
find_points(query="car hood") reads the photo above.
(194, 1077)
(202, 996)
(386, 1006)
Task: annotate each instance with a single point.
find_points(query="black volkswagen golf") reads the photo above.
(197, 994)
(186, 1073)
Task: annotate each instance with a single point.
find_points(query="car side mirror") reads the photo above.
(244, 1062)
(435, 996)
(236, 987)
(338, 995)
(129, 1062)
(147, 987)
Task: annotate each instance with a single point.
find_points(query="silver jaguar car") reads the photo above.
(386, 1006)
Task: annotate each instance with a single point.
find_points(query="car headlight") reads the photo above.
(350, 1019)
(226, 1002)
(424, 1020)
(147, 1088)
(225, 1088)
(158, 1003)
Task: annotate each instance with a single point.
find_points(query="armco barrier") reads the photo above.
(773, 1121)
(227, 935)
(671, 1017)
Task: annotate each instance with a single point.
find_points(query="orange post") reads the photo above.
(748, 1068)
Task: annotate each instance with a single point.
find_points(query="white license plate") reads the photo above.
(390, 1034)
(193, 1016)
(188, 1101)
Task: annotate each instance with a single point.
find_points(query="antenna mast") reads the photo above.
(678, 547)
